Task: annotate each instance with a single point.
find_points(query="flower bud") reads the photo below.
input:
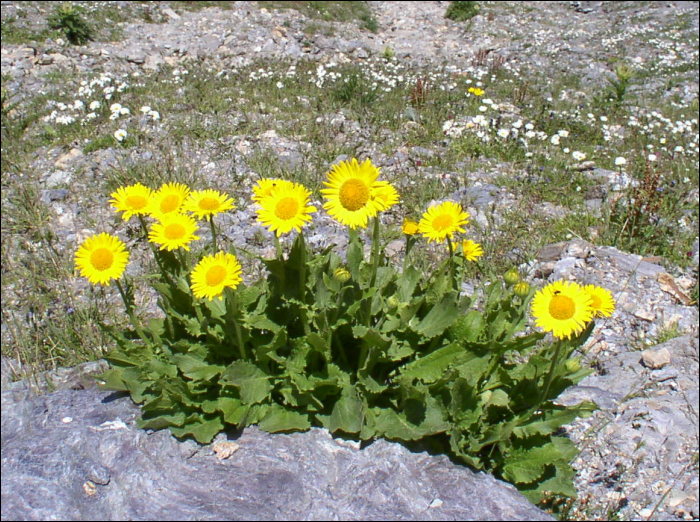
(341, 275)
(572, 365)
(393, 302)
(511, 277)
(522, 289)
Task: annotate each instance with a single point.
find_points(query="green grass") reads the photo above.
(350, 11)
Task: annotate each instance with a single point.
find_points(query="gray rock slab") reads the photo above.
(77, 455)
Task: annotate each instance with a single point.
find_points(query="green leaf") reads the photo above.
(392, 425)
(527, 465)
(202, 430)
(279, 419)
(348, 412)
(158, 420)
(442, 315)
(253, 384)
(431, 367)
(113, 379)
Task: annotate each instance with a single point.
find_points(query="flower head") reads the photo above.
(386, 195)
(352, 193)
(213, 273)
(120, 134)
(286, 208)
(101, 258)
(265, 186)
(563, 308)
(409, 227)
(208, 202)
(173, 231)
(471, 250)
(132, 200)
(442, 221)
(601, 300)
(168, 199)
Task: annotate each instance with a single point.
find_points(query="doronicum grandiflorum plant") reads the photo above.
(350, 343)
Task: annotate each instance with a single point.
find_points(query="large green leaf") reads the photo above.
(279, 418)
(253, 384)
(348, 412)
(203, 430)
(431, 367)
(441, 316)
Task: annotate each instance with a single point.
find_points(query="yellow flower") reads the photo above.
(213, 273)
(471, 250)
(173, 231)
(601, 300)
(409, 227)
(265, 187)
(341, 274)
(354, 194)
(385, 195)
(563, 308)
(168, 199)
(286, 208)
(476, 91)
(101, 258)
(208, 202)
(443, 220)
(132, 200)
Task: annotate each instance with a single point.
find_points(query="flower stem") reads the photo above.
(375, 251)
(213, 233)
(130, 312)
(302, 285)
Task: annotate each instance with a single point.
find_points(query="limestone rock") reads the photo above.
(77, 455)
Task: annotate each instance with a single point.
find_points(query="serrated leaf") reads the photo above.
(253, 384)
(202, 430)
(279, 419)
(441, 316)
(431, 367)
(113, 379)
(347, 412)
(526, 466)
(392, 425)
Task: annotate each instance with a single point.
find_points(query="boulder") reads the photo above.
(78, 455)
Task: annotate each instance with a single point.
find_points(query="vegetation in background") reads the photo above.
(68, 18)
(462, 10)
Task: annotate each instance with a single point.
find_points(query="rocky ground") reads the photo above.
(639, 457)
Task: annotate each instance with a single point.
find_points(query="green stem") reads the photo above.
(130, 312)
(375, 252)
(452, 264)
(302, 285)
(213, 234)
(278, 248)
(154, 250)
(550, 375)
(231, 312)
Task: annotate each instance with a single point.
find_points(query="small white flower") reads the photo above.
(578, 156)
(483, 108)
(115, 107)
(120, 135)
(678, 149)
(555, 139)
(619, 161)
(529, 126)
(95, 105)
(518, 124)
(652, 157)
(563, 133)
(603, 118)
(280, 85)
(566, 150)
(503, 133)
(145, 109)
(154, 114)
(124, 110)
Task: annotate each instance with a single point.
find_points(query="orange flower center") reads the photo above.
(562, 307)
(175, 231)
(353, 194)
(102, 259)
(136, 202)
(169, 203)
(216, 275)
(287, 208)
(442, 222)
(210, 204)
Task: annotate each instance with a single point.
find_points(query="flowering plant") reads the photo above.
(353, 344)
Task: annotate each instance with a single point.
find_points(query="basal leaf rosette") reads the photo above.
(102, 258)
(601, 300)
(206, 203)
(286, 208)
(214, 273)
(354, 195)
(169, 199)
(563, 308)
(442, 221)
(133, 200)
(173, 231)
